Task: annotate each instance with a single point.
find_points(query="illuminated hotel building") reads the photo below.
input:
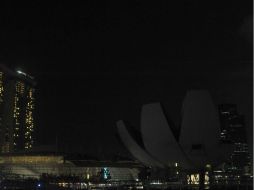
(16, 110)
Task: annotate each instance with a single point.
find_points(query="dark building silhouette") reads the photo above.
(16, 110)
(232, 124)
(233, 131)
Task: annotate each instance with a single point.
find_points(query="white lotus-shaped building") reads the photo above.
(198, 143)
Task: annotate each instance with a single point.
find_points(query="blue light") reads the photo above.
(105, 173)
(38, 185)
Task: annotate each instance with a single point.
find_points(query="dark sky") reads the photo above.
(97, 62)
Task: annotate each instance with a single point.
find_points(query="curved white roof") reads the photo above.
(200, 129)
(199, 141)
(158, 137)
(134, 148)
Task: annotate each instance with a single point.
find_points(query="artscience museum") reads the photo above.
(196, 146)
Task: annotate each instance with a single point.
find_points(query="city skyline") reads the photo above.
(234, 110)
(97, 63)
(133, 120)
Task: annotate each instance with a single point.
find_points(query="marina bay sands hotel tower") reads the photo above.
(16, 111)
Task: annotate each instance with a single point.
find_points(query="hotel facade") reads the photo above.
(17, 104)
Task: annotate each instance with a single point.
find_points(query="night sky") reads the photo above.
(98, 62)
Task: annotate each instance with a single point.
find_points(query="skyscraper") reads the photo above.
(233, 131)
(16, 110)
(232, 124)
